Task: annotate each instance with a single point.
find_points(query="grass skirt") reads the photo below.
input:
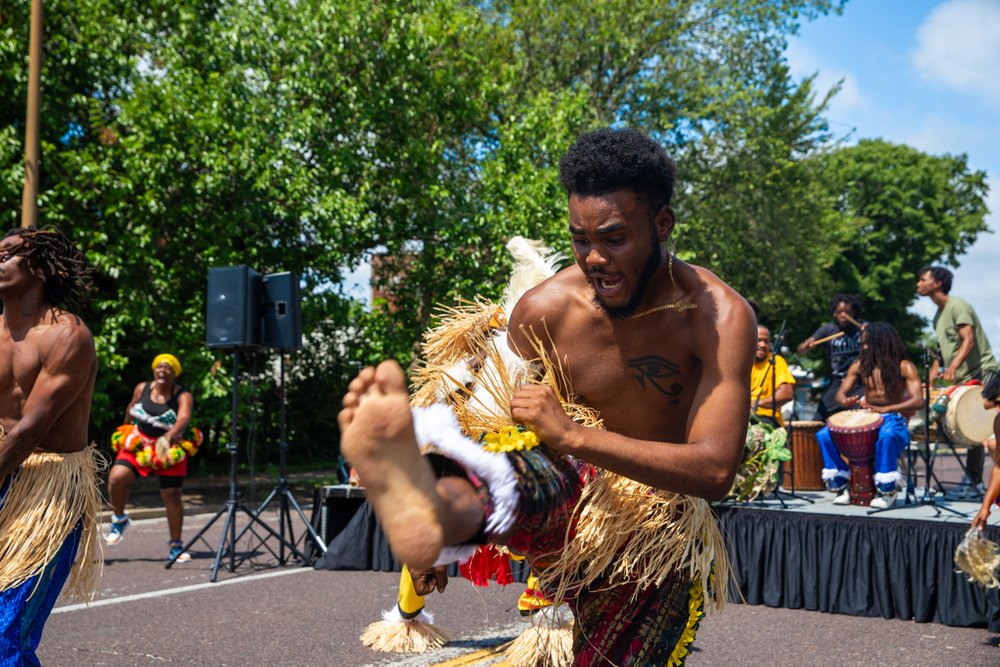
(44, 500)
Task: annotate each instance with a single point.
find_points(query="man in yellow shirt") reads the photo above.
(769, 390)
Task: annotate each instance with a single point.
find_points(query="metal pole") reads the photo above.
(29, 196)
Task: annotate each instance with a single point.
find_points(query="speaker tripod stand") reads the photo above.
(285, 497)
(229, 539)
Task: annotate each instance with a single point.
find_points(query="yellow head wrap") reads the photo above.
(170, 360)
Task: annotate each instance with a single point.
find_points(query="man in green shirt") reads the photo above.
(965, 355)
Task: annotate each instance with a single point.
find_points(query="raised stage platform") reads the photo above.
(841, 559)
(786, 552)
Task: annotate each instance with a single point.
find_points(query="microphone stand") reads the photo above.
(775, 410)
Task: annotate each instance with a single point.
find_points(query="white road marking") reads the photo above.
(173, 591)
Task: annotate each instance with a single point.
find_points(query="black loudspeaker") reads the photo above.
(282, 311)
(232, 307)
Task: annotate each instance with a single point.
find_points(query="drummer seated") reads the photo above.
(892, 387)
(772, 384)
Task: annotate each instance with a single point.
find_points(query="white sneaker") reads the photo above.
(117, 532)
(883, 501)
(844, 498)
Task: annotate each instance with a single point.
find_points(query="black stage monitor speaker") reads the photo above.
(232, 311)
(282, 312)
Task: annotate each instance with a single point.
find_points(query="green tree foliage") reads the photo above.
(758, 213)
(313, 136)
(899, 209)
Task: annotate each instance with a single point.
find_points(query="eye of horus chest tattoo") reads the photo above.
(655, 371)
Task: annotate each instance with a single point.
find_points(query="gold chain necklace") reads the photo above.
(675, 305)
(666, 306)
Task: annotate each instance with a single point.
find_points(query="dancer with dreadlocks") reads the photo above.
(49, 497)
(892, 386)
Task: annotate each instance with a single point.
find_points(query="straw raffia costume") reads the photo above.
(48, 535)
(406, 628)
(635, 564)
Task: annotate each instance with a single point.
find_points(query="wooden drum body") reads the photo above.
(807, 461)
(855, 432)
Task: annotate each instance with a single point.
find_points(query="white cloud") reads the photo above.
(958, 46)
(803, 62)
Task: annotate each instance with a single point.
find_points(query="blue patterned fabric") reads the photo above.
(25, 608)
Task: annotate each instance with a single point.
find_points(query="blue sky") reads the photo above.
(925, 73)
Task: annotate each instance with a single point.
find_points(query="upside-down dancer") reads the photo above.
(661, 350)
(892, 386)
(49, 497)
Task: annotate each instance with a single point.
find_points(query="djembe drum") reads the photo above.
(807, 461)
(855, 432)
(965, 420)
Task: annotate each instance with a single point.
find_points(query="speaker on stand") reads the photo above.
(282, 318)
(232, 317)
(232, 308)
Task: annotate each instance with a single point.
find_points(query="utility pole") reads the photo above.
(29, 197)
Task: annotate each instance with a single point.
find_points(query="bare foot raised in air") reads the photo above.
(377, 438)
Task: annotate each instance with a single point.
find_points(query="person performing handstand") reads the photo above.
(661, 350)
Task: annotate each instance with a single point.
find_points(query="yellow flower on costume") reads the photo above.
(510, 439)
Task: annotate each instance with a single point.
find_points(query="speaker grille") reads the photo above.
(232, 310)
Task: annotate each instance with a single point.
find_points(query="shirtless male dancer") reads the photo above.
(48, 486)
(660, 348)
(891, 386)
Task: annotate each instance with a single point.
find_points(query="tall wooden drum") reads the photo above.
(855, 432)
(807, 461)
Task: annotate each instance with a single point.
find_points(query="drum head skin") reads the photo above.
(854, 419)
(967, 421)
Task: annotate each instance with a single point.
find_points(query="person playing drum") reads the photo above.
(842, 340)
(991, 394)
(892, 386)
(966, 355)
(771, 384)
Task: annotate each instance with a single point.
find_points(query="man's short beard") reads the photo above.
(654, 262)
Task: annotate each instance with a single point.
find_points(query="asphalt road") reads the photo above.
(265, 613)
